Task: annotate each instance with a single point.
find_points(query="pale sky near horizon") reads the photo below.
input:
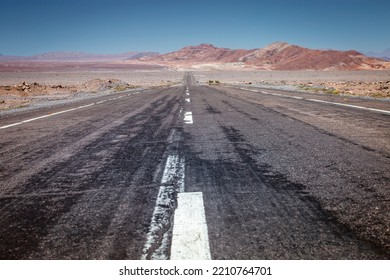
(115, 26)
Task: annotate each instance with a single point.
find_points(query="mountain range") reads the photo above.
(382, 55)
(276, 56)
(77, 56)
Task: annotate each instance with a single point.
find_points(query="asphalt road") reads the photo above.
(275, 177)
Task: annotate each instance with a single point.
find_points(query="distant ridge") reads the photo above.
(79, 56)
(84, 56)
(385, 55)
(276, 56)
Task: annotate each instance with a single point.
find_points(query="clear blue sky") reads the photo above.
(109, 26)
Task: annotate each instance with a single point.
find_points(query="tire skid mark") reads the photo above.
(279, 186)
(109, 159)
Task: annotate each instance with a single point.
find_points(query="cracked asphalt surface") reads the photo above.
(281, 178)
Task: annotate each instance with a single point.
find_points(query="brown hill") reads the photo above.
(282, 56)
(201, 53)
(277, 56)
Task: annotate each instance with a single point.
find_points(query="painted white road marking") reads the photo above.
(173, 180)
(174, 169)
(351, 106)
(188, 100)
(321, 101)
(190, 234)
(61, 112)
(160, 222)
(170, 169)
(188, 118)
(10, 125)
(46, 116)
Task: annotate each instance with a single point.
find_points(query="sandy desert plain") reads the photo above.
(26, 88)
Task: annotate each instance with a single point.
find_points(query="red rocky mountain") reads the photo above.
(277, 56)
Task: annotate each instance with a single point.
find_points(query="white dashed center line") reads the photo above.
(189, 230)
(190, 239)
(188, 118)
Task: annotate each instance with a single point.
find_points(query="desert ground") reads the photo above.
(357, 83)
(21, 89)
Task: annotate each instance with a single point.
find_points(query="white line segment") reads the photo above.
(174, 169)
(321, 101)
(46, 116)
(159, 225)
(156, 247)
(189, 232)
(62, 112)
(351, 106)
(190, 239)
(188, 118)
